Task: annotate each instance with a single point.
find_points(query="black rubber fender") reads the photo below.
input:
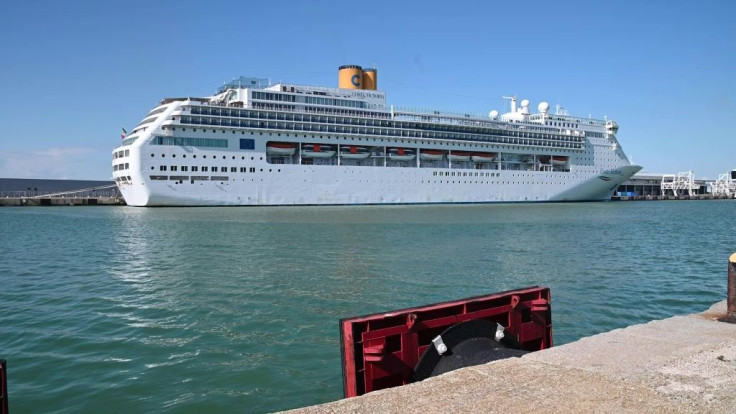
(468, 343)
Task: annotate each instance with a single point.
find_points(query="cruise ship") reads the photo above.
(260, 143)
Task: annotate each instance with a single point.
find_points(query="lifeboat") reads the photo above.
(280, 148)
(401, 154)
(459, 156)
(431, 155)
(559, 160)
(354, 153)
(317, 151)
(483, 156)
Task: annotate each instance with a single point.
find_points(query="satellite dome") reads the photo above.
(493, 114)
(524, 103)
(543, 107)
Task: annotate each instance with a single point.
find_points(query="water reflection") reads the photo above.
(201, 308)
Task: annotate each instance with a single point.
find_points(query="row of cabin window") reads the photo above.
(205, 156)
(366, 124)
(267, 96)
(350, 118)
(204, 168)
(507, 140)
(466, 174)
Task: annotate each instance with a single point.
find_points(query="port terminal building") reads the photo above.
(662, 185)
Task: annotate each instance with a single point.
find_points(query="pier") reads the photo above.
(683, 364)
(41, 192)
(61, 201)
(670, 197)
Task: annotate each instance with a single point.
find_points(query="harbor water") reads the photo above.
(189, 310)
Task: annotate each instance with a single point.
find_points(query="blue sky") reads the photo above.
(72, 73)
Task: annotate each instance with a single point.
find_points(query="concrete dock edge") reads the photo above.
(683, 364)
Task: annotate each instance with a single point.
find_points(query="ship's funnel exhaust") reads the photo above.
(355, 77)
(350, 77)
(370, 79)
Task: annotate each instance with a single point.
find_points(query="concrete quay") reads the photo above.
(61, 201)
(661, 197)
(683, 364)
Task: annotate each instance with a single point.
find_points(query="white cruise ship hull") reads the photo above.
(214, 152)
(279, 185)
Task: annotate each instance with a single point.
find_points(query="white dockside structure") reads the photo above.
(257, 143)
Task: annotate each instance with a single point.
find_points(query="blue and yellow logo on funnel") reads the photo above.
(355, 80)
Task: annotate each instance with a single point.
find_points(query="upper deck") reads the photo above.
(257, 103)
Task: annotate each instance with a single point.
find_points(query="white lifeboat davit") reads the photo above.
(401, 154)
(459, 156)
(280, 148)
(431, 155)
(483, 156)
(354, 153)
(317, 151)
(559, 160)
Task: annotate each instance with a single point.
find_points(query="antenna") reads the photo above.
(513, 102)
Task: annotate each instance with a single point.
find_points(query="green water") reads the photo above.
(119, 309)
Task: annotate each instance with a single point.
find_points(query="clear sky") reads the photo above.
(72, 73)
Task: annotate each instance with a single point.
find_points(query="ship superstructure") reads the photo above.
(258, 143)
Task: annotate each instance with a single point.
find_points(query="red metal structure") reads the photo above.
(381, 350)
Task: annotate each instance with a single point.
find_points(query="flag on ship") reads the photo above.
(123, 134)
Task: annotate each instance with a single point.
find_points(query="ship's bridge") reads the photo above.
(245, 82)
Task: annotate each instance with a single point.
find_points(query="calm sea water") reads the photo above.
(235, 309)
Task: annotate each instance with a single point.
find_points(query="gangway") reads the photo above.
(725, 185)
(684, 181)
(81, 190)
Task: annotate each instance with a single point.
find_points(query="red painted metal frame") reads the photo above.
(381, 350)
